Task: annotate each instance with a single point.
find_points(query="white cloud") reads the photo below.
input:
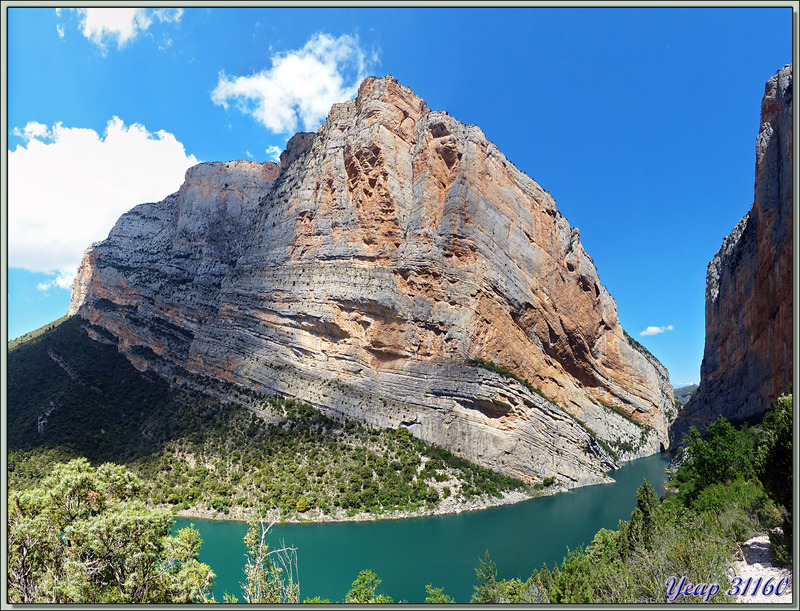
(32, 130)
(301, 85)
(168, 15)
(62, 280)
(102, 26)
(274, 153)
(656, 330)
(67, 186)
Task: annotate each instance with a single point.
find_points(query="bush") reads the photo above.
(436, 596)
(60, 534)
(775, 470)
(720, 502)
(363, 589)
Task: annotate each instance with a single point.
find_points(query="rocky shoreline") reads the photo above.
(445, 506)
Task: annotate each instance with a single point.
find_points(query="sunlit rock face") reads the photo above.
(367, 273)
(748, 354)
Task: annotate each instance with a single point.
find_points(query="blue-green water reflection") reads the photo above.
(440, 550)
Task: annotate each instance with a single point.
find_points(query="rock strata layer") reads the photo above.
(747, 361)
(395, 268)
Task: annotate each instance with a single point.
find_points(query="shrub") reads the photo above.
(60, 533)
(363, 589)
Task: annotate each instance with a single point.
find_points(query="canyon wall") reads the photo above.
(747, 361)
(395, 268)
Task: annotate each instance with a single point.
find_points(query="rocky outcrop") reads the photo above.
(158, 276)
(380, 272)
(747, 361)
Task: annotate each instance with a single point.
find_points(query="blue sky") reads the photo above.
(641, 123)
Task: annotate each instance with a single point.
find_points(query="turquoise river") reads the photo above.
(439, 550)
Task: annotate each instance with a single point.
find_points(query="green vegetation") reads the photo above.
(73, 397)
(490, 590)
(436, 596)
(363, 590)
(507, 373)
(13, 344)
(270, 575)
(603, 443)
(774, 469)
(732, 484)
(618, 412)
(85, 536)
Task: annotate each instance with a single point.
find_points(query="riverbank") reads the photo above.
(452, 504)
(442, 550)
(315, 516)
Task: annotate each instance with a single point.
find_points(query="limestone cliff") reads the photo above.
(747, 360)
(370, 274)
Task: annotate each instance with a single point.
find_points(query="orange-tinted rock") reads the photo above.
(395, 246)
(748, 354)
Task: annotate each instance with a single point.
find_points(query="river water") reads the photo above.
(440, 550)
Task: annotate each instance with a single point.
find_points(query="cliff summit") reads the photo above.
(747, 360)
(397, 269)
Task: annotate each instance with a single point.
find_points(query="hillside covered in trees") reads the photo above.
(71, 397)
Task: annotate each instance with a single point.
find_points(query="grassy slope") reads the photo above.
(36, 333)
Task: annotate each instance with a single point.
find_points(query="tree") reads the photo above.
(271, 574)
(436, 596)
(643, 516)
(775, 459)
(775, 455)
(363, 590)
(722, 455)
(486, 591)
(82, 536)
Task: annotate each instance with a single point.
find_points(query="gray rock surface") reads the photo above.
(368, 273)
(747, 360)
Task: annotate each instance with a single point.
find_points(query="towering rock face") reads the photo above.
(748, 354)
(157, 277)
(369, 274)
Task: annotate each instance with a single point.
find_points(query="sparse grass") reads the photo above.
(14, 344)
(507, 373)
(619, 412)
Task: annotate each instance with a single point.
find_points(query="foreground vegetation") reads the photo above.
(79, 533)
(731, 484)
(85, 536)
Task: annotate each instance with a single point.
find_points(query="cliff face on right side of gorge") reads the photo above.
(747, 361)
